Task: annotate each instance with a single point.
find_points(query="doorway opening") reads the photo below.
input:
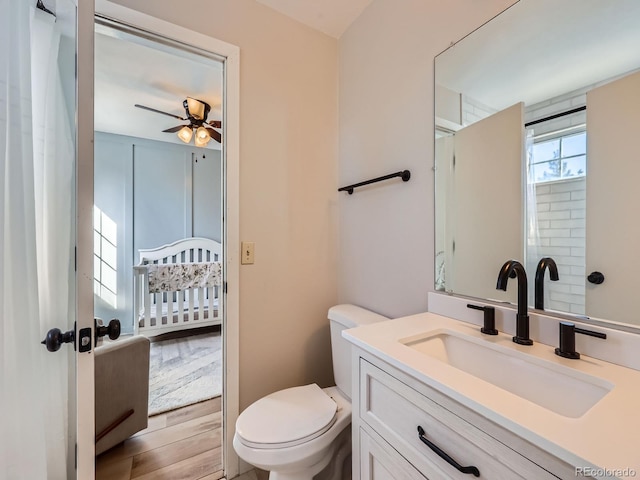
(159, 243)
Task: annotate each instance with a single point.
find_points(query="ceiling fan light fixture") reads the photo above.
(202, 136)
(185, 134)
(198, 127)
(196, 108)
(201, 143)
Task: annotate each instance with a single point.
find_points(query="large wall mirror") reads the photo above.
(537, 119)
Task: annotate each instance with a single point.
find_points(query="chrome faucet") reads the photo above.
(543, 264)
(513, 268)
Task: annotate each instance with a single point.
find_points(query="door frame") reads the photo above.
(231, 199)
(84, 421)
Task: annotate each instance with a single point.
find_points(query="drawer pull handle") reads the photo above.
(472, 470)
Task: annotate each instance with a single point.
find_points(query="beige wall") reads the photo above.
(386, 124)
(289, 169)
(288, 164)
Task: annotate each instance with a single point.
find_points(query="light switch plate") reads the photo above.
(247, 253)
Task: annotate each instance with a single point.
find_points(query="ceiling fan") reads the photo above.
(197, 112)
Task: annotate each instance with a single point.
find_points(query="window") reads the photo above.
(105, 254)
(559, 158)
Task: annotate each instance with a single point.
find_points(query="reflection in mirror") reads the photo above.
(564, 190)
(483, 223)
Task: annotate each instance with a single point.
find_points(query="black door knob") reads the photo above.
(55, 338)
(112, 329)
(596, 278)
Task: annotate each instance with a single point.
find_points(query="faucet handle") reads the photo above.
(489, 327)
(567, 339)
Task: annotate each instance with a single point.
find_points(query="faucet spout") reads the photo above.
(508, 270)
(543, 264)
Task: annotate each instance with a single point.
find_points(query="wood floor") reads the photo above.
(184, 444)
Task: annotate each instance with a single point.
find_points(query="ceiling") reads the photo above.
(131, 70)
(539, 49)
(332, 17)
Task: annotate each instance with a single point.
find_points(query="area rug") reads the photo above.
(184, 371)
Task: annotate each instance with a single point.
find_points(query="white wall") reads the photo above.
(155, 193)
(289, 169)
(386, 124)
(113, 195)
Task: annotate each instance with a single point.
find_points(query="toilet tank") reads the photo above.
(342, 317)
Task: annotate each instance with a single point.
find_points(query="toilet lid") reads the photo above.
(287, 418)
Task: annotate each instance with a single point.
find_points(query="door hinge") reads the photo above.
(75, 258)
(76, 455)
(225, 287)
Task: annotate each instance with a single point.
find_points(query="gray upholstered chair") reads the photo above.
(121, 389)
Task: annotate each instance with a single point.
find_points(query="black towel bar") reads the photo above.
(405, 175)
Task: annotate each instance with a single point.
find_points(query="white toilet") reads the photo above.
(299, 432)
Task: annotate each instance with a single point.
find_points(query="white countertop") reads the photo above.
(607, 436)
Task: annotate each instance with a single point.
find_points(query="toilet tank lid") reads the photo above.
(353, 316)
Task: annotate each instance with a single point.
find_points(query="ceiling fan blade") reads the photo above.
(175, 129)
(215, 135)
(215, 123)
(159, 111)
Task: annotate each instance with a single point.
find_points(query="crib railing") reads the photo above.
(159, 310)
(170, 310)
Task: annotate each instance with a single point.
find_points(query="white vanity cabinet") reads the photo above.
(389, 406)
(379, 461)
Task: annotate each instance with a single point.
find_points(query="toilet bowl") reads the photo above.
(301, 432)
(294, 448)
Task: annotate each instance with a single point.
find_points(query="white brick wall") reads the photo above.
(472, 110)
(561, 233)
(557, 105)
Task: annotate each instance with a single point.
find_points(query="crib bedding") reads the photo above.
(173, 277)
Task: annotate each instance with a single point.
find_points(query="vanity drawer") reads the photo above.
(395, 411)
(378, 461)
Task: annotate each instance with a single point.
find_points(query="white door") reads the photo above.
(46, 119)
(489, 149)
(612, 196)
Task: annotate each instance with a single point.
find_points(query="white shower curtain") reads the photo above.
(53, 154)
(35, 209)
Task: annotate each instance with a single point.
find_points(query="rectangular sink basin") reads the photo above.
(555, 387)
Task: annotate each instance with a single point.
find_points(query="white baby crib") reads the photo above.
(178, 286)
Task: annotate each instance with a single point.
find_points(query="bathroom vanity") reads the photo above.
(497, 409)
(432, 396)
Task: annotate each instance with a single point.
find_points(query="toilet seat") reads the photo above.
(287, 418)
